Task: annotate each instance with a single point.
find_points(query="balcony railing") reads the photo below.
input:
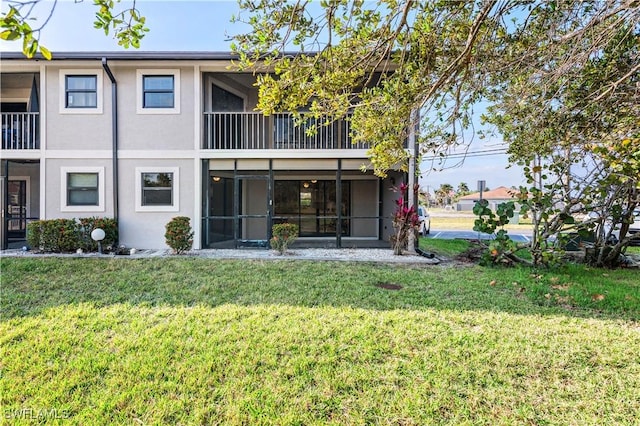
(20, 130)
(249, 130)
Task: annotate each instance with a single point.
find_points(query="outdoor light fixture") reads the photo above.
(314, 181)
(216, 178)
(98, 235)
(305, 184)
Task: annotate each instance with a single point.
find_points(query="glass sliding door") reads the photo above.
(312, 205)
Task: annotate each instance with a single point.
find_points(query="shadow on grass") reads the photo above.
(31, 286)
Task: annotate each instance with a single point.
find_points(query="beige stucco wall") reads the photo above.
(81, 130)
(141, 229)
(55, 192)
(85, 136)
(156, 131)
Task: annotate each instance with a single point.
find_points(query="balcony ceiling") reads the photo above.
(16, 87)
(247, 80)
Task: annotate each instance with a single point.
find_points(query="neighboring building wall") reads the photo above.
(465, 205)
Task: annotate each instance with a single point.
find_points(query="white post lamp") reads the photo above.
(98, 235)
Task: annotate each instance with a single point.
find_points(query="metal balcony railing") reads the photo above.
(250, 130)
(20, 130)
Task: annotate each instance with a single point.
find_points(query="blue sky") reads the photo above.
(205, 25)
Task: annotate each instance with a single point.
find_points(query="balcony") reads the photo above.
(255, 131)
(20, 130)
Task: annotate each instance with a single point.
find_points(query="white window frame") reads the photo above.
(64, 207)
(140, 73)
(99, 90)
(175, 191)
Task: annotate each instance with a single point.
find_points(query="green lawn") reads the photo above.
(200, 341)
(447, 248)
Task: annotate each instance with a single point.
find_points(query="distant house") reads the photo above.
(502, 194)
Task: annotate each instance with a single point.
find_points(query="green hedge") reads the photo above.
(68, 235)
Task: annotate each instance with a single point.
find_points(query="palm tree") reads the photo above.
(444, 194)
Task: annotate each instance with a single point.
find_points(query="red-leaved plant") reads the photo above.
(405, 220)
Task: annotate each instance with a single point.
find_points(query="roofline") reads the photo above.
(137, 55)
(129, 55)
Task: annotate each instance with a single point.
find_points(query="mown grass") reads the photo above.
(444, 247)
(198, 341)
(633, 250)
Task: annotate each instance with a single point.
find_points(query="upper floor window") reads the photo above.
(81, 91)
(158, 91)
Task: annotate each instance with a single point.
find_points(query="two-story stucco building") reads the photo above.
(144, 137)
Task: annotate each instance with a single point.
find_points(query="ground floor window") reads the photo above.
(312, 205)
(83, 189)
(157, 189)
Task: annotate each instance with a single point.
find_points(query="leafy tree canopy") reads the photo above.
(379, 61)
(17, 22)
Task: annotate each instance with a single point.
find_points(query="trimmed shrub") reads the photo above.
(34, 234)
(179, 235)
(108, 225)
(68, 235)
(284, 234)
(55, 235)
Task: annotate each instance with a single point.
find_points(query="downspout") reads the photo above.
(114, 137)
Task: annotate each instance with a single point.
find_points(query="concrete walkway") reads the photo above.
(345, 254)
